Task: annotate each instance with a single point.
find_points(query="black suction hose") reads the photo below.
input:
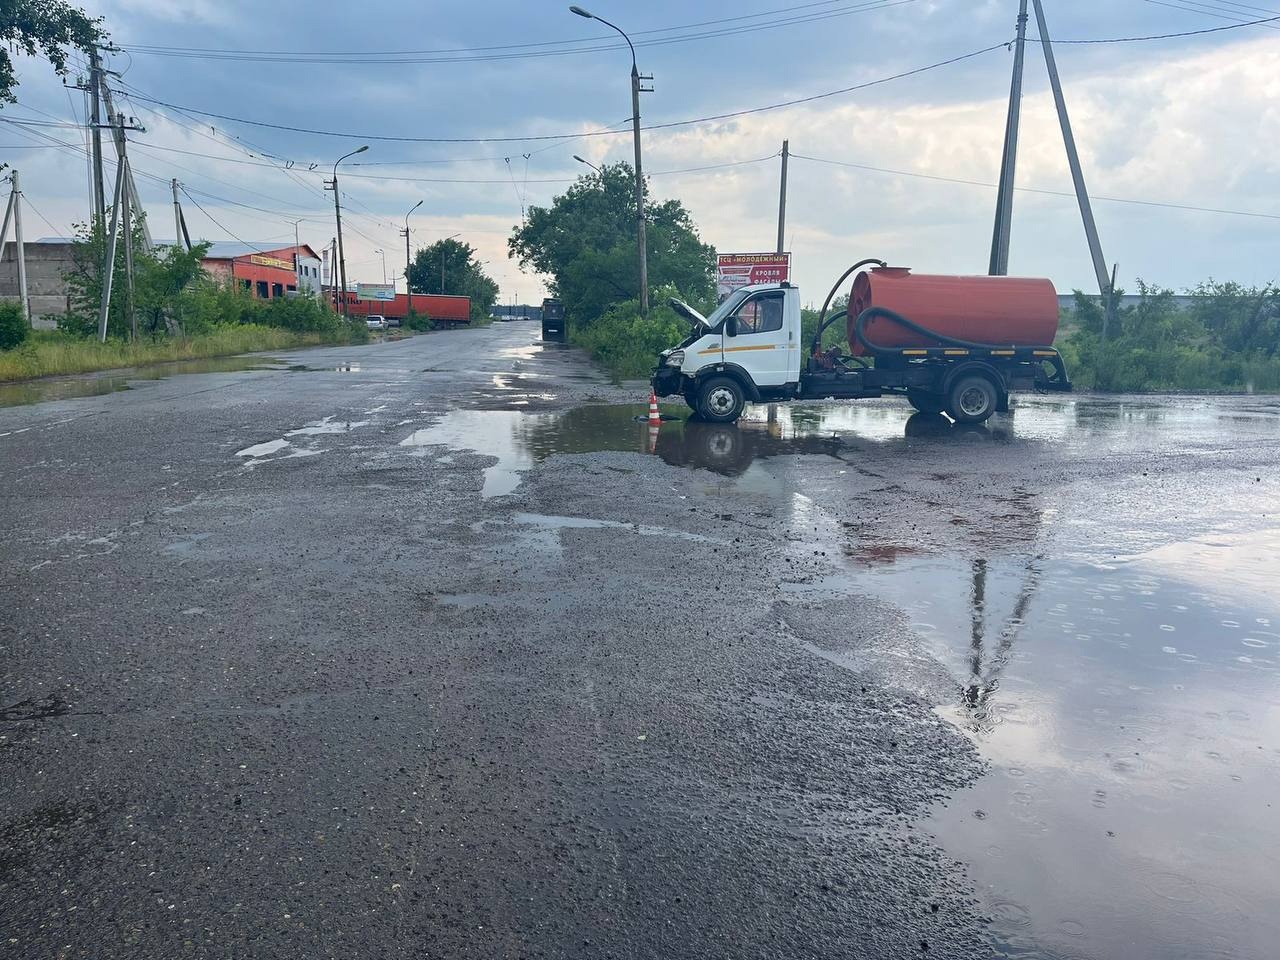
(871, 313)
(827, 321)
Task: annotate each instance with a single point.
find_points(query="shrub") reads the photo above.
(14, 328)
(627, 343)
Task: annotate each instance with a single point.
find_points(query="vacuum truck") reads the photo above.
(958, 345)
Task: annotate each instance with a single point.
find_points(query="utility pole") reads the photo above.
(1110, 313)
(95, 126)
(109, 261)
(177, 213)
(782, 195)
(14, 211)
(1073, 156)
(135, 199)
(636, 90)
(126, 226)
(337, 211)
(1008, 164)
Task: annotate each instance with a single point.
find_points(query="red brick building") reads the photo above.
(266, 271)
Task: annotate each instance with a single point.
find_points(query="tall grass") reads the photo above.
(50, 353)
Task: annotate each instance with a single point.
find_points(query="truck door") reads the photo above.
(761, 345)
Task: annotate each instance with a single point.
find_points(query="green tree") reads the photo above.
(48, 28)
(585, 242)
(450, 267)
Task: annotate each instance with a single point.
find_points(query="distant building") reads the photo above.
(264, 269)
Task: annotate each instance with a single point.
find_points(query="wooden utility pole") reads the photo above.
(782, 195)
(1004, 200)
(1073, 156)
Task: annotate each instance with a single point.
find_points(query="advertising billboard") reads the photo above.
(376, 291)
(736, 270)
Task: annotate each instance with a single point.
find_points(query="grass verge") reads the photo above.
(49, 353)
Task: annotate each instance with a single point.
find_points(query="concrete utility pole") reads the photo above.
(126, 226)
(95, 127)
(1004, 199)
(109, 261)
(782, 196)
(637, 88)
(177, 214)
(14, 212)
(135, 200)
(337, 211)
(1073, 156)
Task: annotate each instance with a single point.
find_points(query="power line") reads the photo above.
(596, 133)
(1050, 193)
(1170, 36)
(1221, 13)
(526, 51)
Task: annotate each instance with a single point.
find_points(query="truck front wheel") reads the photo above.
(972, 400)
(720, 400)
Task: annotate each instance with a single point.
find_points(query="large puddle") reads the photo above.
(96, 385)
(1132, 721)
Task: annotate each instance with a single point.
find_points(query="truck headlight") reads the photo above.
(675, 358)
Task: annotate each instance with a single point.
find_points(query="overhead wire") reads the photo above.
(559, 48)
(1051, 193)
(596, 133)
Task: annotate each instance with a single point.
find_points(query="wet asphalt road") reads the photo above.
(421, 652)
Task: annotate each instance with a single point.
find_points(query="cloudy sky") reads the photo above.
(1191, 122)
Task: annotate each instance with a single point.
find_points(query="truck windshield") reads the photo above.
(730, 304)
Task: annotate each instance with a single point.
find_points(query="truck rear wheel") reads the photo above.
(720, 400)
(925, 401)
(972, 400)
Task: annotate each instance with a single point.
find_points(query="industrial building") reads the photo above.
(265, 270)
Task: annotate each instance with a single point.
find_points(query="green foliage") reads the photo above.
(586, 243)
(625, 342)
(834, 336)
(462, 275)
(42, 27)
(14, 328)
(419, 320)
(174, 296)
(1224, 342)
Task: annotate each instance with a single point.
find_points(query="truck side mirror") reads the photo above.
(731, 327)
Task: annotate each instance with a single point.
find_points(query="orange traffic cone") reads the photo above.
(654, 415)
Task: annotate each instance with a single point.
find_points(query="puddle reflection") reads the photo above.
(1133, 724)
(71, 388)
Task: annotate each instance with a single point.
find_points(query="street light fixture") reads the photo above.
(442, 243)
(408, 292)
(337, 212)
(635, 127)
(383, 255)
(589, 164)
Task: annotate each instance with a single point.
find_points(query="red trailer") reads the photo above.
(442, 309)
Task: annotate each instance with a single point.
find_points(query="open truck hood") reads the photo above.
(699, 322)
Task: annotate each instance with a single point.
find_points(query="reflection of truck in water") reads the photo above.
(958, 345)
(552, 319)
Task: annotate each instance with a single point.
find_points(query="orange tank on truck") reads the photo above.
(1004, 311)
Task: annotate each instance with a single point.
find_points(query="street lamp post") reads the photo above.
(589, 164)
(635, 127)
(408, 290)
(442, 243)
(337, 212)
(383, 255)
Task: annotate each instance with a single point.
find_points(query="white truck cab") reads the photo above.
(751, 343)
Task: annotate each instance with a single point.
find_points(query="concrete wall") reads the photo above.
(46, 264)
